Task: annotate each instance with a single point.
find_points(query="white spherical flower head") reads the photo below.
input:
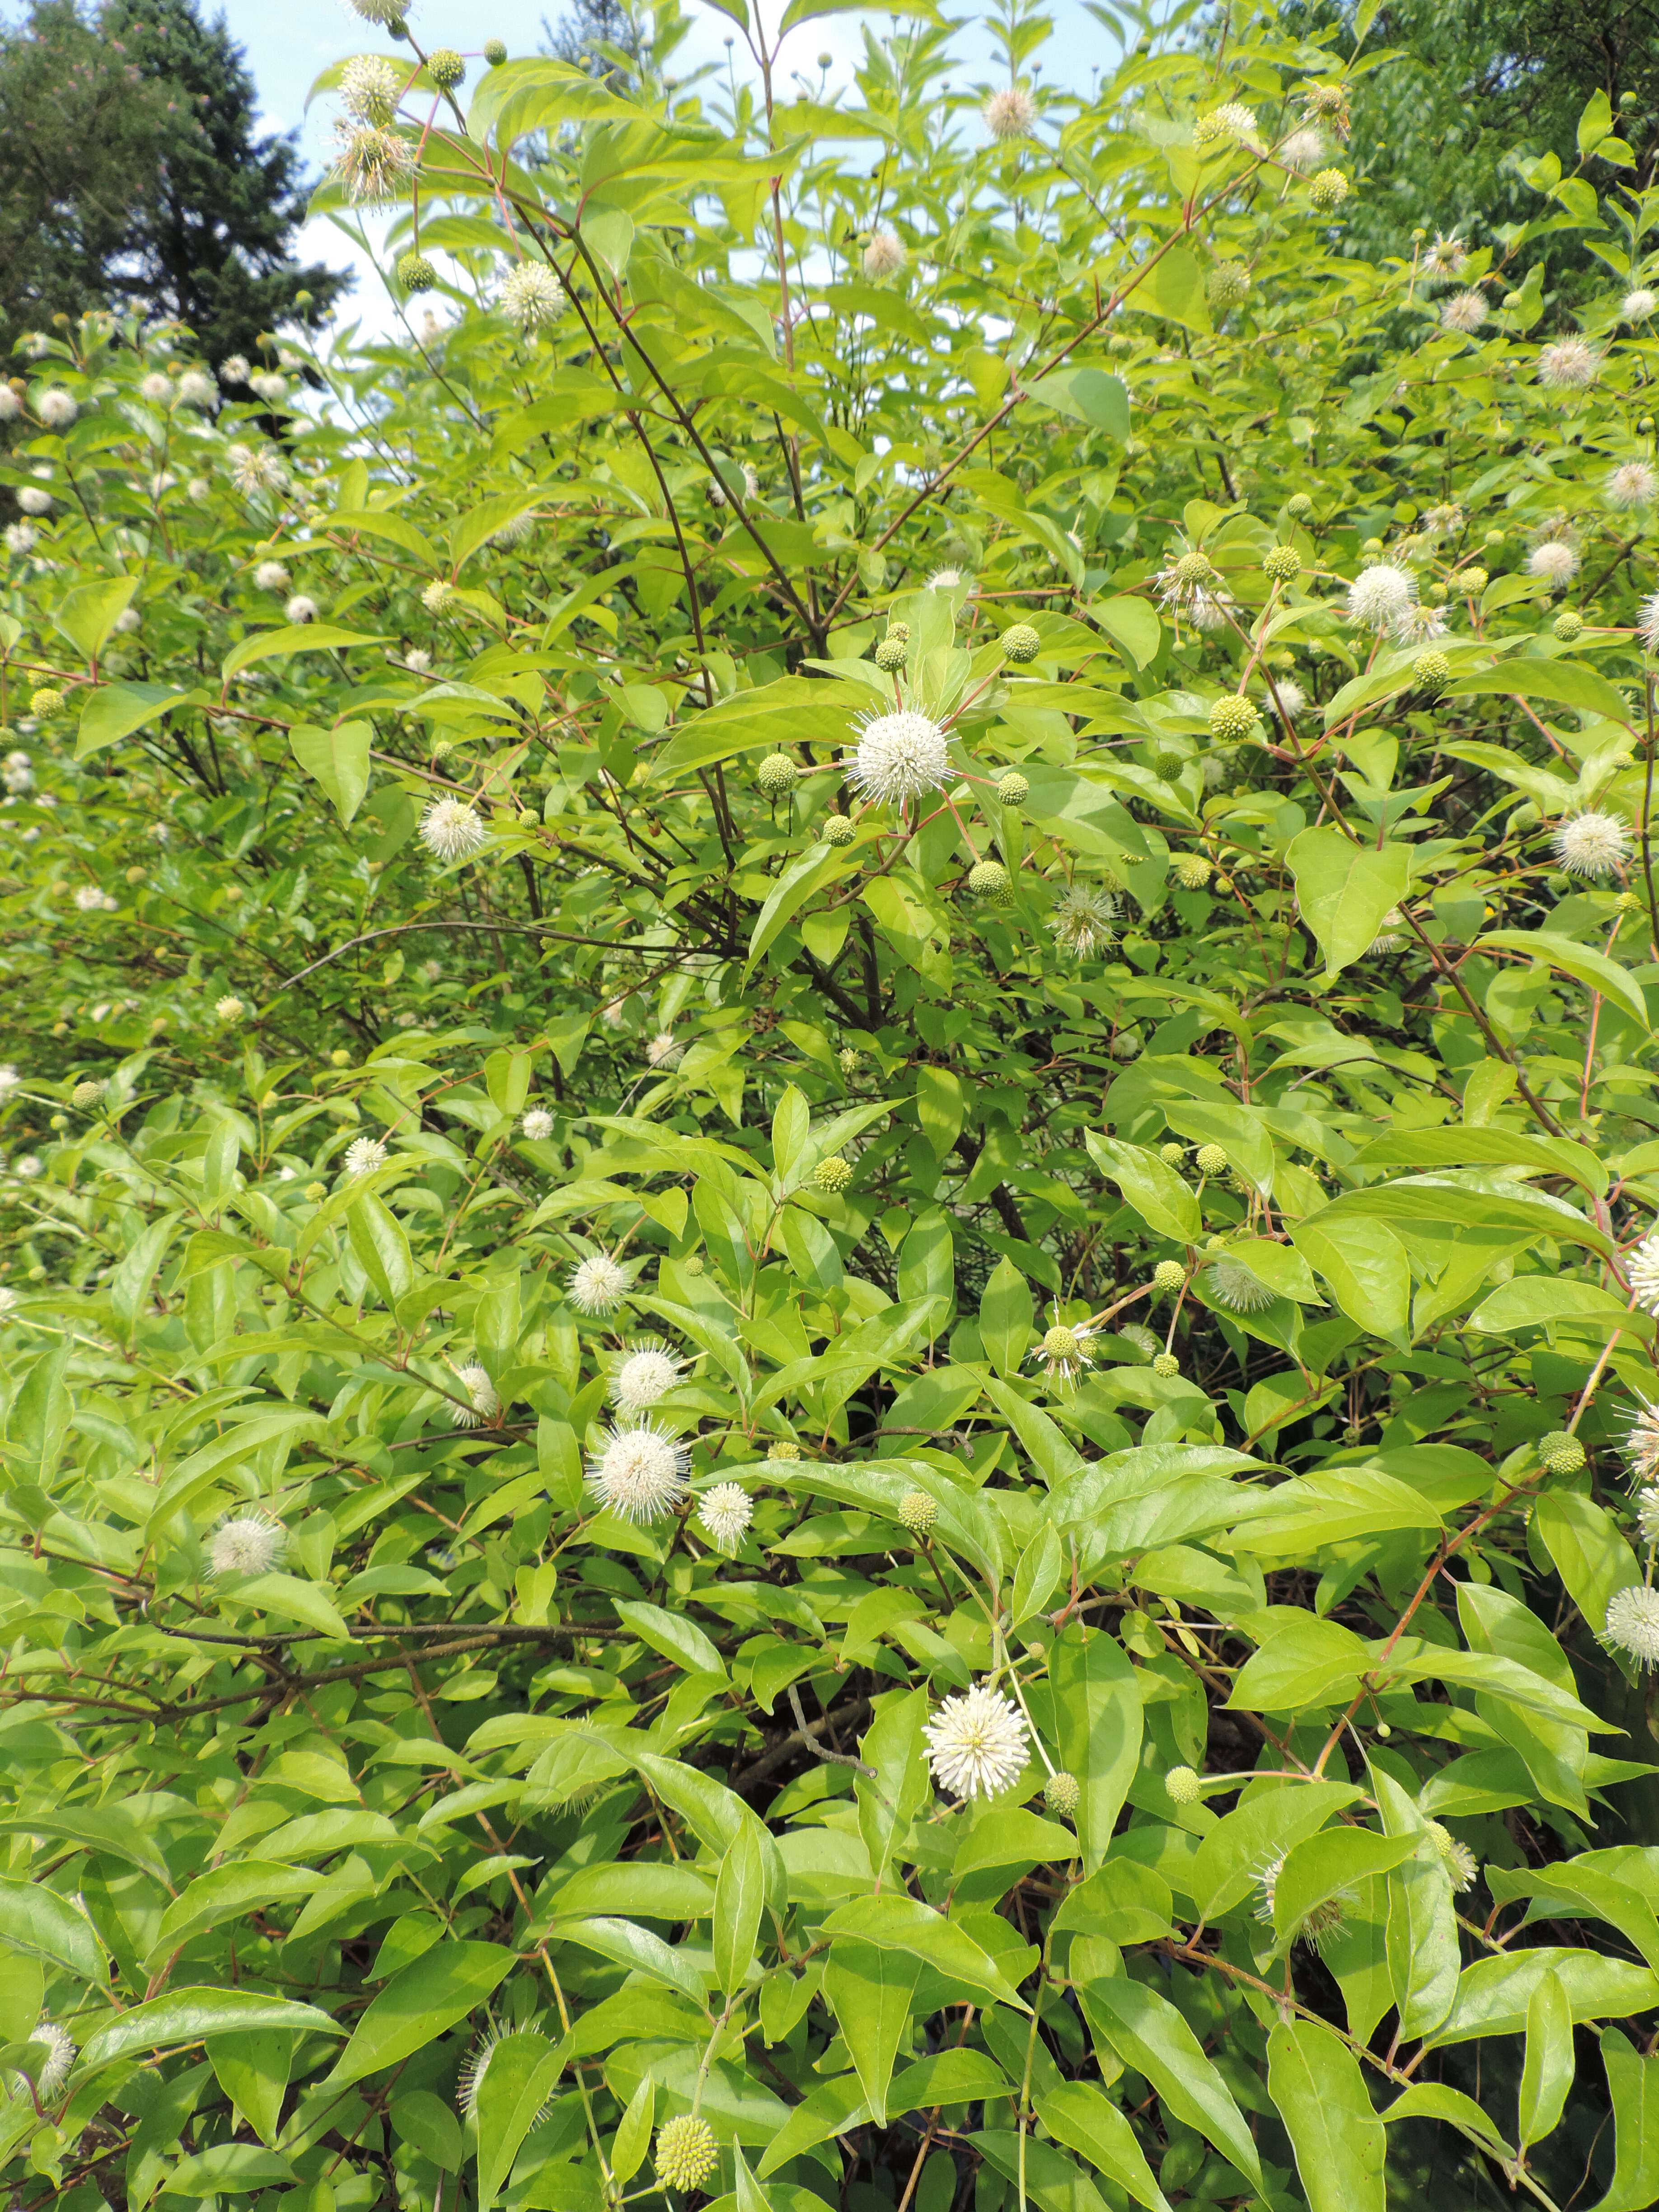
(1647, 623)
(90, 898)
(532, 296)
(1633, 483)
(649, 1372)
(1232, 1285)
(57, 408)
(663, 1050)
(20, 537)
(374, 164)
(597, 1285)
(537, 1125)
(300, 609)
(34, 499)
(1380, 595)
(1082, 921)
(9, 1080)
(271, 576)
(1632, 1625)
(1291, 698)
(364, 1155)
(884, 256)
(453, 829)
(229, 1008)
(1637, 305)
(726, 1511)
(418, 658)
(197, 388)
(481, 1403)
(1568, 365)
(640, 1472)
(8, 1302)
(1555, 562)
(248, 1543)
(1640, 1442)
(1010, 113)
(369, 89)
(976, 1743)
(1647, 1515)
(1642, 1270)
(11, 406)
(59, 2062)
(1304, 149)
(1591, 844)
(156, 388)
(898, 757)
(1464, 311)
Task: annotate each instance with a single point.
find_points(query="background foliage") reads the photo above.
(1160, 1246)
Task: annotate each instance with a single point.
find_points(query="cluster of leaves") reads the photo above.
(822, 1271)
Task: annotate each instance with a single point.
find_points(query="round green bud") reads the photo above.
(917, 1512)
(1227, 284)
(890, 654)
(1193, 569)
(1060, 1342)
(785, 1447)
(1298, 504)
(1013, 790)
(1172, 1154)
(833, 1175)
(1644, 424)
(1494, 537)
(989, 879)
(1168, 1275)
(837, 829)
(1568, 626)
(316, 1192)
(1193, 871)
(1126, 1045)
(1281, 564)
(687, 2152)
(1560, 1453)
(693, 1265)
(45, 700)
(848, 1059)
(1020, 643)
(1182, 1785)
(901, 631)
(446, 68)
(1062, 1793)
(1165, 1365)
(1327, 190)
(1212, 1160)
(495, 52)
(416, 273)
(1471, 581)
(87, 1093)
(1372, 545)
(1431, 671)
(1233, 717)
(1168, 764)
(777, 775)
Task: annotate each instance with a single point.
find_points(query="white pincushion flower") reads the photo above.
(597, 1285)
(1632, 1625)
(1647, 1515)
(648, 1371)
(726, 1511)
(229, 1008)
(1568, 365)
(155, 388)
(20, 537)
(1292, 699)
(233, 368)
(898, 757)
(372, 164)
(1642, 1272)
(1591, 844)
(537, 1125)
(1064, 1354)
(1633, 483)
(246, 1544)
(976, 1743)
(1232, 121)
(532, 296)
(57, 408)
(1555, 560)
(1464, 311)
(364, 1155)
(663, 1050)
(1443, 262)
(90, 898)
(640, 1472)
(1082, 920)
(11, 406)
(453, 829)
(418, 658)
(197, 388)
(1647, 623)
(1010, 113)
(9, 1080)
(483, 1405)
(1232, 1285)
(1380, 595)
(884, 256)
(268, 386)
(34, 499)
(369, 89)
(1639, 304)
(300, 609)
(56, 2067)
(271, 576)
(254, 469)
(437, 595)
(383, 12)
(8, 1302)
(1304, 149)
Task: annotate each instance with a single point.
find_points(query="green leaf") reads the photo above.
(291, 1599)
(894, 1746)
(88, 614)
(252, 2071)
(1089, 396)
(1633, 2088)
(1343, 891)
(1494, 1993)
(1587, 1547)
(337, 759)
(37, 1920)
(1150, 1185)
(381, 1246)
(1082, 2116)
(739, 1894)
(904, 1924)
(114, 711)
(1546, 1302)
(521, 2075)
(1149, 2033)
(417, 2006)
(1005, 1315)
(1172, 287)
(1592, 969)
(1568, 682)
(292, 637)
(1595, 123)
(1096, 1726)
(190, 2015)
(819, 865)
(1547, 2072)
(871, 1990)
(1320, 2093)
(224, 1894)
(675, 1637)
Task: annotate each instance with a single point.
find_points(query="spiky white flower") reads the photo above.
(8, 1302)
(597, 1284)
(1591, 844)
(364, 1155)
(537, 1125)
(57, 408)
(229, 1008)
(1633, 1624)
(90, 898)
(1380, 594)
(469, 2081)
(884, 256)
(418, 658)
(28, 1165)
(947, 579)
(663, 1050)
(197, 389)
(1459, 1861)
(1064, 1354)
(9, 1080)
(372, 164)
(1208, 609)
(233, 368)
(976, 1743)
(34, 499)
(1464, 311)
(1554, 561)
(1640, 1442)
(246, 1543)
(1637, 305)
(59, 2062)
(271, 576)
(1420, 624)
(532, 296)
(1010, 112)
(300, 609)
(11, 406)
(647, 1372)
(1642, 1272)
(898, 758)
(1082, 921)
(1232, 1285)
(1647, 1515)
(254, 469)
(1231, 121)
(481, 1403)
(155, 388)
(640, 1470)
(20, 537)
(1568, 365)
(453, 829)
(1633, 483)
(1290, 698)
(1443, 262)
(1304, 149)
(726, 1511)
(370, 88)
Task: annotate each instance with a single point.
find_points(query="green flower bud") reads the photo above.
(1212, 1160)
(1193, 871)
(1560, 1453)
(1165, 1365)
(1233, 717)
(833, 1175)
(890, 654)
(416, 273)
(777, 775)
(837, 829)
(495, 52)
(1431, 671)
(1298, 504)
(1569, 626)
(1168, 1275)
(687, 2152)
(1020, 643)
(989, 879)
(1327, 190)
(1182, 1785)
(1061, 1794)
(446, 68)
(1281, 564)
(1013, 790)
(917, 1512)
